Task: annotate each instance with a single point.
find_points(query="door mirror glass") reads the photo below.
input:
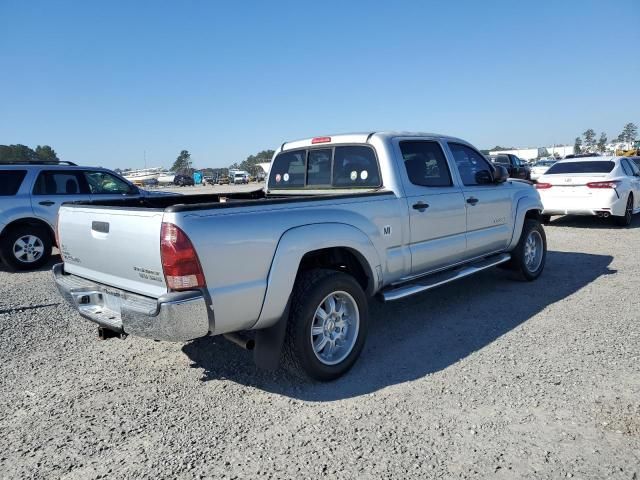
(500, 174)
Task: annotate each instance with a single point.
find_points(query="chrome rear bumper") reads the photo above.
(176, 316)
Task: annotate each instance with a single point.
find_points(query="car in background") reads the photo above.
(516, 167)
(30, 195)
(183, 180)
(223, 180)
(600, 186)
(540, 167)
(208, 180)
(240, 178)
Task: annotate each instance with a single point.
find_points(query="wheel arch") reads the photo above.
(29, 221)
(527, 207)
(337, 246)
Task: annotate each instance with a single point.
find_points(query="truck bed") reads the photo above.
(183, 203)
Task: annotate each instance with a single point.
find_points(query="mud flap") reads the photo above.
(266, 353)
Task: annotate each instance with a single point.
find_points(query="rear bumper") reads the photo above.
(177, 316)
(598, 203)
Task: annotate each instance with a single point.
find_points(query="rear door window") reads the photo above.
(355, 166)
(597, 166)
(60, 183)
(10, 181)
(105, 183)
(425, 164)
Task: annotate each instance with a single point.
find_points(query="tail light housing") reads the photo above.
(609, 184)
(543, 186)
(180, 263)
(320, 140)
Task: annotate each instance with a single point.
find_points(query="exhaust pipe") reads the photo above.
(240, 340)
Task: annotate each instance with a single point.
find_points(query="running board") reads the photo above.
(441, 278)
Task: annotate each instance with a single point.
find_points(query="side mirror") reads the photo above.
(500, 174)
(483, 177)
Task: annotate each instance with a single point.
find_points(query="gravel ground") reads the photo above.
(485, 378)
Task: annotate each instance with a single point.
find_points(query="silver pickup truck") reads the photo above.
(288, 270)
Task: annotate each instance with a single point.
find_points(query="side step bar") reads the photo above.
(441, 278)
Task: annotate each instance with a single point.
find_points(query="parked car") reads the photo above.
(240, 178)
(208, 180)
(540, 167)
(516, 167)
(223, 180)
(341, 219)
(183, 180)
(30, 195)
(601, 186)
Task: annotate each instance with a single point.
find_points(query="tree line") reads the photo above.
(23, 154)
(182, 164)
(587, 141)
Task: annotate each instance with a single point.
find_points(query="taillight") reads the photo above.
(320, 140)
(610, 184)
(542, 186)
(182, 270)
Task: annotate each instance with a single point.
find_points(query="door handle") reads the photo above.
(472, 200)
(47, 203)
(420, 206)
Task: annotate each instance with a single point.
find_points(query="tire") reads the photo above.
(625, 220)
(529, 256)
(312, 292)
(26, 247)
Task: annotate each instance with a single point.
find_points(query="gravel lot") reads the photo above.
(485, 378)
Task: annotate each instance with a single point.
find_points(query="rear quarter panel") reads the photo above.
(236, 246)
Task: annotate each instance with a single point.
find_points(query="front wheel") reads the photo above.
(529, 257)
(625, 220)
(327, 325)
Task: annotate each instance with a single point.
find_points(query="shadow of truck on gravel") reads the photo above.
(412, 338)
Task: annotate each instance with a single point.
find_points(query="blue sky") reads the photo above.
(102, 82)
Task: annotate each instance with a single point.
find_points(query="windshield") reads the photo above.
(582, 167)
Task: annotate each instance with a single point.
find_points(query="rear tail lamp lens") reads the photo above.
(180, 263)
(610, 184)
(543, 186)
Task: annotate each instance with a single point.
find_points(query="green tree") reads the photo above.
(629, 133)
(577, 146)
(17, 153)
(183, 163)
(250, 164)
(589, 139)
(602, 142)
(46, 153)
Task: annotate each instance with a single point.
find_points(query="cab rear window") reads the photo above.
(581, 167)
(345, 166)
(10, 181)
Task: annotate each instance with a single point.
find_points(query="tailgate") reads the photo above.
(114, 246)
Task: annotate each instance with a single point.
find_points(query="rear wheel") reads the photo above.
(625, 220)
(327, 325)
(26, 247)
(529, 257)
